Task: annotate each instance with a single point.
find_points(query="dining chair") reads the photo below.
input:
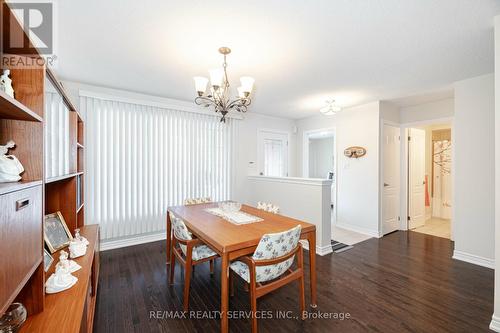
(269, 268)
(195, 201)
(190, 252)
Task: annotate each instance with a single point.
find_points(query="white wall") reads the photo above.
(246, 151)
(427, 111)
(495, 323)
(321, 157)
(357, 179)
(312, 205)
(474, 165)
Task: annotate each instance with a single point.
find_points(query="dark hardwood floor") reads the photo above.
(404, 282)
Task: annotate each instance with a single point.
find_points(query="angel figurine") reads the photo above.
(62, 278)
(10, 167)
(6, 83)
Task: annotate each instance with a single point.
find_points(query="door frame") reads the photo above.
(383, 123)
(405, 165)
(305, 162)
(260, 135)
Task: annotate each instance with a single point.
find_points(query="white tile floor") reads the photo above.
(436, 227)
(347, 237)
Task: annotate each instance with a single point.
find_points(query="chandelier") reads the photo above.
(218, 95)
(331, 108)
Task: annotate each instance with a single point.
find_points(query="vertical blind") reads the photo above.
(56, 135)
(140, 159)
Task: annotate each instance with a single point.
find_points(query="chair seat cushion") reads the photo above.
(202, 252)
(263, 273)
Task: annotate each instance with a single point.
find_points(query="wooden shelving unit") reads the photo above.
(70, 310)
(13, 109)
(12, 187)
(23, 204)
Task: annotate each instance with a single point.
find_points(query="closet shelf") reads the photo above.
(13, 109)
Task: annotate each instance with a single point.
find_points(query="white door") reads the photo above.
(391, 165)
(416, 163)
(273, 154)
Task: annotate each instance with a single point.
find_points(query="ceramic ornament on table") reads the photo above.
(10, 167)
(65, 263)
(62, 278)
(78, 246)
(6, 83)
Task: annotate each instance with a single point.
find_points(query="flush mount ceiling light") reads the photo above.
(218, 95)
(331, 108)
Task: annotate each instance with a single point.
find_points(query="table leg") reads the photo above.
(311, 238)
(169, 237)
(224, 297)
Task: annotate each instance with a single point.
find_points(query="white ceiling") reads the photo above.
(300, 52)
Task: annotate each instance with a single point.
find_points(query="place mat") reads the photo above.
(238, 217)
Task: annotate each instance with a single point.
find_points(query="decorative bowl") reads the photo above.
(230, 206)
(13, 318)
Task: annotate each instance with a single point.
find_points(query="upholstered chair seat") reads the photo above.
(190, 252)
(269, 268)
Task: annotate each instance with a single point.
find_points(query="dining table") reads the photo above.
(232, 241)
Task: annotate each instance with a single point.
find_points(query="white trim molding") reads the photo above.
(111, 244)
(361, 230)
(322, 251)
(495, 323)
(474, 259)
(293, 180)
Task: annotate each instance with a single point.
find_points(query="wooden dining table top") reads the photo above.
(225, 236)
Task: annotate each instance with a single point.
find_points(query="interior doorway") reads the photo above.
(429, 179)
(319, 160)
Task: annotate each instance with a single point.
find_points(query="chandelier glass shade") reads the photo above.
(218, 95)
(331, 108)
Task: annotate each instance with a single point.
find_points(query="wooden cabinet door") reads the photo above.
(20, 240)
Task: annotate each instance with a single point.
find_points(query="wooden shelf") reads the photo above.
(63, 177)
(13, 109)
(79, 145)
(65, 311)
(16, 186)
(80, 208)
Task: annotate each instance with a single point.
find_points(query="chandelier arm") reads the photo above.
(204, 101)
(240, 102)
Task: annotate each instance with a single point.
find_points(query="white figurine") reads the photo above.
(78, 246)
(69, 265)
(62, 278)
(10, 167)
(6, 83)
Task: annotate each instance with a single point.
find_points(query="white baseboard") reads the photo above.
(473, 259)
(321, 250)
(133, 240)
(495, 323)
(361, 230)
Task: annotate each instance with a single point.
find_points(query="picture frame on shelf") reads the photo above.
(56, 233)
(47, 260)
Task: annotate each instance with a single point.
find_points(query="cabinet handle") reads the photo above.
(23, 203)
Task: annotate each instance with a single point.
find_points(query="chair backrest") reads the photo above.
(273, 246)
(179, 228)
(194, 201)
(268, 207)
